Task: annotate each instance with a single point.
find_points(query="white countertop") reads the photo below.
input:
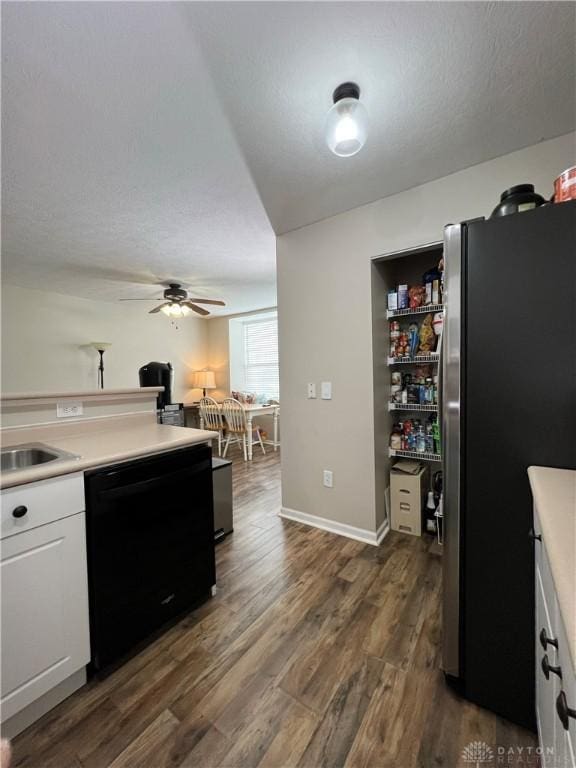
(98, 442)
(554, 492)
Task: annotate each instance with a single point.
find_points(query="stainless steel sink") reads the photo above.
(30, 455)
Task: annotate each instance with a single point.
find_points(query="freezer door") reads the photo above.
(450, 410)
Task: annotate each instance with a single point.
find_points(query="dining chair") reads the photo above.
(235, 417)
(211, 415)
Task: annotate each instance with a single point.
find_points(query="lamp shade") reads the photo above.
(100, 345)
(203, 380)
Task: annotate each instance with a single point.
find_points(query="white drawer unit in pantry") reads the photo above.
(407, 496)
(44, 585)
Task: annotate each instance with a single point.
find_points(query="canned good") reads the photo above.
(403, 297)
(565, 186)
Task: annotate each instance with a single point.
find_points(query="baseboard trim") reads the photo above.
(341, 529)
(382, 532)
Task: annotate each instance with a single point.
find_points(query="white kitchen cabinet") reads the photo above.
(45, 626)
(557, 743)
(545, 689)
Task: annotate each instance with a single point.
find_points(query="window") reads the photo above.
(254, 355)
(261, 357)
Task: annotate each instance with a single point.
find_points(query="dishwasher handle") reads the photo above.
(145, 486)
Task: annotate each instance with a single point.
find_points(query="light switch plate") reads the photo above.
(326, 390)
(327, 478)
(69, 408)
(311, 391)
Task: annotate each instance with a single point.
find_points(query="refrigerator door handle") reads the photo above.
(450, 436)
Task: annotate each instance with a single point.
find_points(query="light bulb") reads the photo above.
(175, 310)
(346, 122)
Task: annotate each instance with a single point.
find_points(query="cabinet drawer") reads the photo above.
(45, 502)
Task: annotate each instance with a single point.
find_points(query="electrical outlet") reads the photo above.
(312, 391)
(327, 478)
(69, 408)
(326, 390)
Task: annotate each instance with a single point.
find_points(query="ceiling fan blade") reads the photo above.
(158, 308)
(159, 298)
(196, 308)
(209, 301)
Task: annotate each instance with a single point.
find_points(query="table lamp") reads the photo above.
(203, 380)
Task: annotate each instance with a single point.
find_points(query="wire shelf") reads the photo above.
(433, 357)
(415, 455)
(428, 407)
(390, 313)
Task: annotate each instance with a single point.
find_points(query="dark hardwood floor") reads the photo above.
(316, 651)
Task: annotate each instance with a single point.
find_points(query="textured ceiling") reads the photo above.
(447, 85)
(146, 141)
(119, 164)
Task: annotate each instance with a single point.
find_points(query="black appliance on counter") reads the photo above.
(150, 542)
(507, 391)
(158, 375)
(162, 375)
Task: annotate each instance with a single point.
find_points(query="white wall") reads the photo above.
(42, 335)
(325, 323)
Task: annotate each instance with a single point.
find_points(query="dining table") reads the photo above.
(255, 409)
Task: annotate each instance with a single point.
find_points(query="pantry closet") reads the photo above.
(406, 342)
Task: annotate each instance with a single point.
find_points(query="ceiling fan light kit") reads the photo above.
(177, 304)
(175, 310)
(346, 122)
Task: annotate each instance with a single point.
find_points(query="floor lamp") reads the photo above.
(101, 347)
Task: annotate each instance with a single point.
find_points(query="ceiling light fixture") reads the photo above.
(175, 310)
(347, 121)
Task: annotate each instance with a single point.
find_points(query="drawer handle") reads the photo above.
(547, 668)
(19, 511)
(545, 641)
(533, 535)
(564, 711)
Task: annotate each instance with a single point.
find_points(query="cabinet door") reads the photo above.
(545, 689)
(565, 739)
(45, 634)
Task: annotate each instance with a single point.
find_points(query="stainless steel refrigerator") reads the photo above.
(508, 402)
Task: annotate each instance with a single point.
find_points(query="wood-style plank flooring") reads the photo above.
(316, 651)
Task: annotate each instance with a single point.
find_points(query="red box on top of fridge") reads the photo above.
(565, 186)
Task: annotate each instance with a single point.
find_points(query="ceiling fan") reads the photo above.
(177, 303)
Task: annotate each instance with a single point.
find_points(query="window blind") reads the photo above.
(261, 357)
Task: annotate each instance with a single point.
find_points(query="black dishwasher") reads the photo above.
(150, 538)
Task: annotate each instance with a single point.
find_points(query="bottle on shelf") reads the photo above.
(421, 440)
